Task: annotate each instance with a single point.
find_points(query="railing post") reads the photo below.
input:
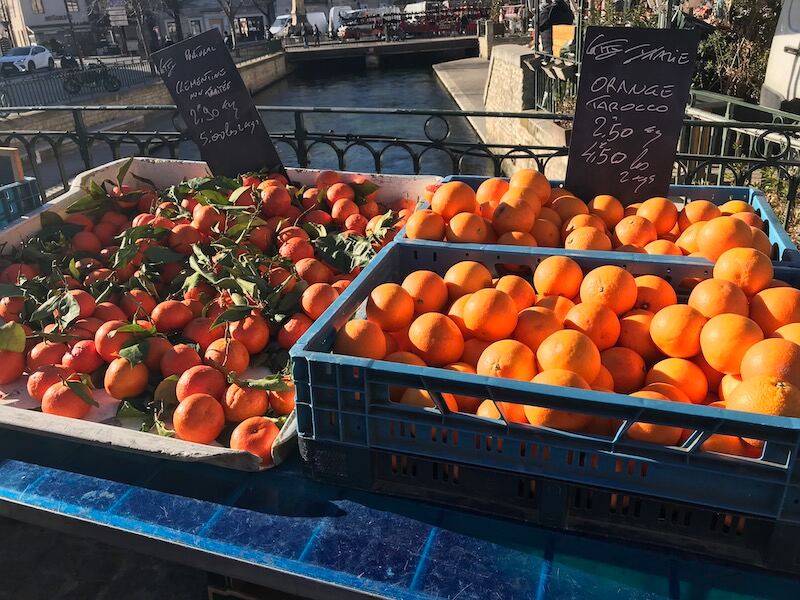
(300, 136)
(83, 138)
(791, 196)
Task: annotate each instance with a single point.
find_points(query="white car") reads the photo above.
(26, 59)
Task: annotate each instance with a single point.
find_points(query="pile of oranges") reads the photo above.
(527, 211)
(168, 299)
(734, 343)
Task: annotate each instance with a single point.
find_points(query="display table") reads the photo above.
(280, 529)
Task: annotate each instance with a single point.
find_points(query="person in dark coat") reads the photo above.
(552, 12)
(228, 41)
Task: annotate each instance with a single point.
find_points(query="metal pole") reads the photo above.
(74, 37)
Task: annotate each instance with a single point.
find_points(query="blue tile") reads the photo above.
(15, 476)
(174, 512)
(271, 534)
(61, 488)
(369, 543)
(471, 568)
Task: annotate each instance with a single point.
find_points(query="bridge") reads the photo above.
(372, 51)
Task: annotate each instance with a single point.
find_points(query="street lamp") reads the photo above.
(74, 37)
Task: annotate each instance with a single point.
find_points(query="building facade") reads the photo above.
(197, 16)
(14, 31)
(47, 20)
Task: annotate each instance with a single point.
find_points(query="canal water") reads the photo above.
(410, 87)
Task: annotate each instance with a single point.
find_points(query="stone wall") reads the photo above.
(510, 88)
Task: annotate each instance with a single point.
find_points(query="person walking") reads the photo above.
(304, 34)
(316, 35)
(228, 41)
(552, 12)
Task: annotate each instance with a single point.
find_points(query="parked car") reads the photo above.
(26, 59)
(781, 87)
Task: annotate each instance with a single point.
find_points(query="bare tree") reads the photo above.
(174, 8)
(266, 8)
(231, 8)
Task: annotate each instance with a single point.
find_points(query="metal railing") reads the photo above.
(245, 51)
(411, 141)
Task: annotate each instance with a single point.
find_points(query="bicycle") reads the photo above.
(95, 75)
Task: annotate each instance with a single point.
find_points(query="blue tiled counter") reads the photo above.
(282, 530)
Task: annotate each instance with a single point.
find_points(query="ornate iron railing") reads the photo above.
(726, 152)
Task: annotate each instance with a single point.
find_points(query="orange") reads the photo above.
(608, 208)
(663, 248)
(424, 399)
(687, 241)
(766, 395)
(546, 233)
(569, 350)
(725, 339)
(721, 234)
(516, 238)
(533, 180)
(611, 286)
(534, 325)
(604, 382)
(558, 276)
(252, 331)
(137, 303)
(456, 313)
(45, 353)
(670, 391)
(466, 404)
(467, 228)
(735, 206)
(171, 315)
(12, 365)
(558, 419)
(427, 289)
(83, 358)
(390, 306)
(713, 376)
(626, 367)
(282, 402)
(466, 277)
(199, 418)
(751, 219)
(312, 271)
(201, 379)
(490, 315)
(241, 403)
(453, 198)
(60, 400)
(730, 444)
(713, 297)
(775, 307)
(436, 339)
(789, 332)
(86, 303)
(634, 231)
(256, 435)
(178, 359)
(509, 359)
(697, 211)
(40, 380)
(488, 409)
(595, 320)
(749, 269)
(548, 214)
(683, 374)
(230, 356)
(123, 380)
(360, 337)
(558, 304)
(661, 212)
(521, 291)
(676, 330)
(491, 190)
(761, 241)
(473, 348)
(514, 213)
(425, 225)
(774, 357)
(653, 293)
(568, 206)
(727, 385)
(663, 435)
(582, 221)
(587, 238)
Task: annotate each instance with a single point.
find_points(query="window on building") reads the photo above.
(37, 6)
(72, 5)
(171, 29)
(195, 26)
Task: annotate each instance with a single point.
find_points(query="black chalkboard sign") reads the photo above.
(632, 95)
(217, 107)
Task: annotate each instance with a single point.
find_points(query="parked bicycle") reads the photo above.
(95, 75)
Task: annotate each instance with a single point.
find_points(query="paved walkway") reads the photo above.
(465, 80)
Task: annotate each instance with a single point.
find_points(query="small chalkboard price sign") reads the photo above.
(632, 95)
(215, 104)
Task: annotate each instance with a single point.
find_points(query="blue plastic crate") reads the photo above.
(18, 199)
(351, 433)
(784, 249)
